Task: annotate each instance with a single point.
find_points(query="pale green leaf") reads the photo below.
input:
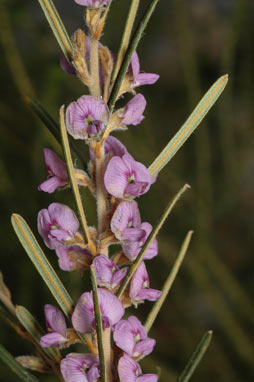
(19, 370)
(131, 48)
(35, 330)
(149, 240)
(168, 283)
(196, 357)
(57, 27)
(189, 126)
(73, 181)
(42, 264)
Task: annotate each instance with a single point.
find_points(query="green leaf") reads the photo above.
(57, 27)
(189, 126)
(196, 357)
(35, 330)
(168, 283)
(132, 46)
(149, 240)
(19, 370)
(125, 37)
(42, 264)
(73, 181)
(53, 126)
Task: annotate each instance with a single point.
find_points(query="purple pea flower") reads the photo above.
(132, 249)
(86, 117)
(139, 288)
(73, 257)
(57, 225)
(111, 308)
(107, 272)
(92, 3)
(126, 221)
(76, 367)
(132, 113)
(130, 336)
(124, 177)
(57, 172)
(140, 78)
(130, 371)
(56, 325)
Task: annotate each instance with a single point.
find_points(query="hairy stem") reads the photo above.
(94, 68)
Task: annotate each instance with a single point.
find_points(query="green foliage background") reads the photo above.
(190, 44)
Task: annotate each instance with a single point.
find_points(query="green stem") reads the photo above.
(127, 58)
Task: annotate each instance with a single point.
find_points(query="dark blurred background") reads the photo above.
(190, 44)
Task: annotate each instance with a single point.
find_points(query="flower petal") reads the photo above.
(125, 216)
(124, 337)
(128, 369)
(53, 339)
(116, 177)
(55, 320)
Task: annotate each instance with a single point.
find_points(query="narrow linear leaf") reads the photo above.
(19, 370)
(35, 330)
(169, 282)
(42, 264)
(53, 126)
(196, 357)
(98, 323)
(57, 27)
(73, 181)
(150, 238)
(189, 126)
(132, 46)
(125, 37)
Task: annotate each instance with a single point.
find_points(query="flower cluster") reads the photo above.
(116, 179)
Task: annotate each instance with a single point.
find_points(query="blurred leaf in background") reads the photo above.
(190, 44)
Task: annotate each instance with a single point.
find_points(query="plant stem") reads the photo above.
(94, 68)
(100, 188)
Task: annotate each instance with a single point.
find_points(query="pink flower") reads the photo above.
(86, 117)
(139, 288)
(73, 257)
(124, 177)
(126, 221)
(76, 367)
(107, 273)
(132, 249)
(130, 371)
(140, 78)
(111, 308)
(92, 3)
(57, 172)
(56, 325)
(130, 336)
(132, 113)
(57, 225)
